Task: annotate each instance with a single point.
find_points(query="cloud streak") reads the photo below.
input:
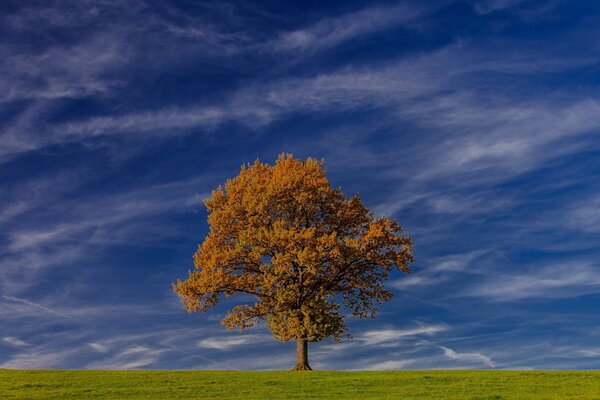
(13, 341)
(545, 282)
(36, 305)
(468, 357)
(227, 343)
(393, 336)
(331, 32)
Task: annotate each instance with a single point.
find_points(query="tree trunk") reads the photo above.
(302, 356)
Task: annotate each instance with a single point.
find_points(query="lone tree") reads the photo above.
(282, 234)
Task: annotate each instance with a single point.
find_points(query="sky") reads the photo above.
(475, 123)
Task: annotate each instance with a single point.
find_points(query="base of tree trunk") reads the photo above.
(301, 367)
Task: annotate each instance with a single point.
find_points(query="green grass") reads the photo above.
(481, 385)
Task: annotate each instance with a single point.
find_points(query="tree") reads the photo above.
(299, 247)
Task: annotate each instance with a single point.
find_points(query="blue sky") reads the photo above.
(475, 123)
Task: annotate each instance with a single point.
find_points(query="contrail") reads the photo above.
(32, 304)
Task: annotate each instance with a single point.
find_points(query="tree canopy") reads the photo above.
(282, 234)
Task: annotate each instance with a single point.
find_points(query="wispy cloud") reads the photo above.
(569, 279)
(488, 6)
(229, 342)
(330, 32)
(13, 341)
(99, 347)
(526, 10)
(36, 305)
(390, 365)
(584, 215)
(135, 350)
(130, 358)
(468, 357)
(590, 352)
(393, 336)
(441, 269)
(39, 359)
(65, 72)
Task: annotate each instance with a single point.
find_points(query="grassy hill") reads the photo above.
(496, 385)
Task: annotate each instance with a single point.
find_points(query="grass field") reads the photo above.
(491, 385)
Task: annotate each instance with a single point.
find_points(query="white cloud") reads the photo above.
(64, 72)
(330, 32)
(392, 336)
(42, 357)
(415, 279)
(590, 352)
(440, 269)
(228, 342)
(389, 365)
(569, 279)
(134, 350)
(134, 357)
(456, 262)
(468, 357)
(13, 341)
(99, 347)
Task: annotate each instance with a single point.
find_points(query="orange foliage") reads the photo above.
(282, 234)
